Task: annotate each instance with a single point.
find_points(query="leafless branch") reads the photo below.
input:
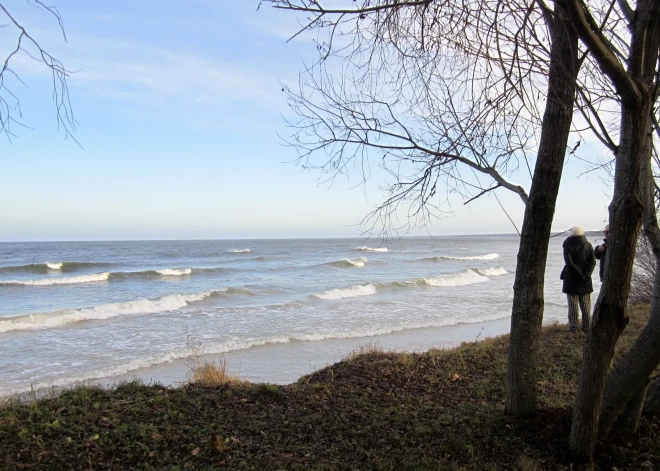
(26, 44)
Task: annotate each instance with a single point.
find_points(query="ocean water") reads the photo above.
(74, 311)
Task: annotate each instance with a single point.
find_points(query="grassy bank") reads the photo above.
(375, 410)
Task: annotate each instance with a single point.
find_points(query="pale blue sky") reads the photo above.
(180, 106)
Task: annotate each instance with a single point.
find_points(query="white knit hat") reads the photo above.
(576, 231)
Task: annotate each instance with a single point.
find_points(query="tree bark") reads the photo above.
(632, 371)
(629, 419)
(528, 301)
(652, 402)
(626, 209)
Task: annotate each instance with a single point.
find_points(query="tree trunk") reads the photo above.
(626, 209)
(632, 371)
(652, 402)
(629, 419)
(527, 312)
(610, 311)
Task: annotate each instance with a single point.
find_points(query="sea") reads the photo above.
(273, 310)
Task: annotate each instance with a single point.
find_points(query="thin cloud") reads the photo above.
(129, 69)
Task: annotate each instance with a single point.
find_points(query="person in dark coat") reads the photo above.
(601, 250)
(580, 263)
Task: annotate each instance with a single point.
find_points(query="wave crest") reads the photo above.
(487, 256)
(240, 251)
(493, 271)
(67, 280)
(463, 278)
(371, 249)
(46, 267)
(174, 271)
(346, 263)
(167, 303)
(350, 292)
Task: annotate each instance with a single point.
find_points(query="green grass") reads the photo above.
(374, 410)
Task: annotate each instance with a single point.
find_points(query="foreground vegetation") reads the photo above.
(374, 410)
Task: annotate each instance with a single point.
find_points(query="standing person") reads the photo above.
(580, 263)
(601, 250)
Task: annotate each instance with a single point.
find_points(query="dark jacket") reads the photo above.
(601, 256)
(580, 263)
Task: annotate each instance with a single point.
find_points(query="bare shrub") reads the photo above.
(641, 288)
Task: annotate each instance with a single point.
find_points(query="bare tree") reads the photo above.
(628, 381)
(634, 77)
(25, 44)
(459, 98)
(622, 84)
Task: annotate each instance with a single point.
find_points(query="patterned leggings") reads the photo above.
(577, 303)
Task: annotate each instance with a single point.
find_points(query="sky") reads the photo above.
(181, 120)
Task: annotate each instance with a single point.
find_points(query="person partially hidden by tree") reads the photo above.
(580, 263)
(601, 250)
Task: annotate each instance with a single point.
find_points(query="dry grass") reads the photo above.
(369, 348)
(207, 372)
(212, 373)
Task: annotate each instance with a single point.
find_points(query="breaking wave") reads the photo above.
(110, 276)
(370, 249)
(488, 256)
(52, 266)
(174, 271)
(168, 303)
(466, 277)
(240, 251)
(493, 271)
(65, 280)
(463, 278)
(360, 262)
(353, 291)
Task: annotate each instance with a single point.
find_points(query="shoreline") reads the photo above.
(286, 363)
(440, 409)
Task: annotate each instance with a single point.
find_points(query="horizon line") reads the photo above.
(273, 238)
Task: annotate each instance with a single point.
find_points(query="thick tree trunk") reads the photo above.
(632, 371)
(629, 419)
(527, 312)
(652, 402)
(610, 311)
(626, 209)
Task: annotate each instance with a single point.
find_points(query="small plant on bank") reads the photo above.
(268, 389)
(206, 372)
(369, 348)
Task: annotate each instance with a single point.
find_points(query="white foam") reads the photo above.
(360, 262)
(488, 256)
(493, 271)
(466, 277)
(240, 251)
(96, 277)
(139, 363)
(351, 292)
(236, 345)
(167, 303)
(54, 266)
(370, 249)
(367, 333)
(174, 271)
